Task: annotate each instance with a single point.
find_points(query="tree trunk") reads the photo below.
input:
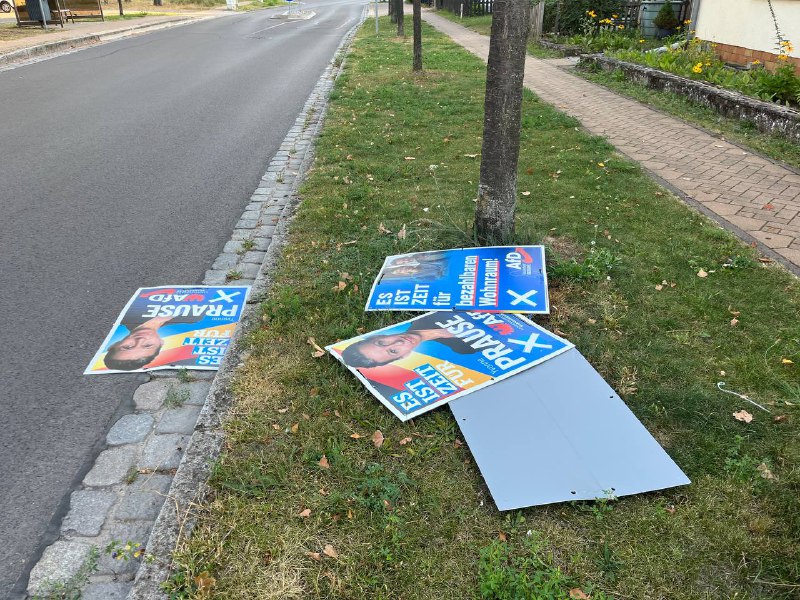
(497, 189)
(417, 36)
(401, 32)
(558, 17)
(392, 14)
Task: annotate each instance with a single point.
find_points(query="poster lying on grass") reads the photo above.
(493, 279)
(184, 327)
(426, 362)
(559, 433)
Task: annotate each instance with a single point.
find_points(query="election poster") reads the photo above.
(169, 327)
(494, 279)
(426, 362)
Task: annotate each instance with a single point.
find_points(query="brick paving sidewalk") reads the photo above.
(754, 197)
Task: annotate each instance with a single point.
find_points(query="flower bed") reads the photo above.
(766, 116)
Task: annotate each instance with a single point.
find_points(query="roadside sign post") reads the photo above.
(44, 15)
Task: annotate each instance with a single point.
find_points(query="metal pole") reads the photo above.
(44, 17)
(376, 17)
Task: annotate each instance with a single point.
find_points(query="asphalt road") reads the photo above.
(121, 166)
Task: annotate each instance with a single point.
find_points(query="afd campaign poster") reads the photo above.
(493, 279)
(169, 327)
(426, 362)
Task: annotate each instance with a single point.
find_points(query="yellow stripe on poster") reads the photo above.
(461, 376)
(221, 332)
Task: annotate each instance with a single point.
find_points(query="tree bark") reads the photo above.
(497, 188)
(417, 36)
(401, 32)
(392, 14)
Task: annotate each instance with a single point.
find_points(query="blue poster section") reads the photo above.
(493, 279)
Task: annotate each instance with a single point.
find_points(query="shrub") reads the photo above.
(782, 86)
(666, 19)
(573, 13)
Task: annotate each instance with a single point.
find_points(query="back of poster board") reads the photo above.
(557, 432)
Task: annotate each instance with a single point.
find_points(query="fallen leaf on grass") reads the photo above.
(318, 352)
(356, 436)
(330, 551)
(786, 361)
(579, 594)
(743, 416)
(659, 287)
(765, 260)
(339, 286)
(502, 537)
(734, 322)
(304, 513)
(401, 235)
(295, 427)
(780, 418)
(763, 469)
(275, 426)
(383, 229)
(670, 509)
(314, 555)
(701, 273)
(323, 492)
(377, 438)
(472, 155)
(410, 158)
(404, 441)
(526, 193)
(204, 582)
(458, 443)
(283, 410)
(323, 462)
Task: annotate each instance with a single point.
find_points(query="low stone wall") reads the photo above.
(565, 49)
(767, 116)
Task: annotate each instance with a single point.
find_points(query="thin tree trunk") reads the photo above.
(392, 13)
(497, 189)
(401, 32)
(417, 36)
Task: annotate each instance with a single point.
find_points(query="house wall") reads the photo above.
(738, 26)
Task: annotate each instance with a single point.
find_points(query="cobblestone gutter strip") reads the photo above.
(189, 486)
(25, 54)
(768, 117)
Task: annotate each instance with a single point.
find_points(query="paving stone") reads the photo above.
(143, 499)
(111, 467)
(249, 270)
(254, 257)
(150, 395)
(107, 591)
(122, 532)
(247, 223)
(262, 244)
(198, 391)
(130, 429)
(225, 261)
(59, 563)
(161, 452)
(213, 277)
(178, 420)
(87, 512)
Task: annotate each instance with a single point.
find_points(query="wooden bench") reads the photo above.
(84, 9)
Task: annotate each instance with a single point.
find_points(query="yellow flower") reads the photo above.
(620, 26)
(698, 68)
(613, 16)
(783, 57)
(687, 22)
(641, 41)
(708, 64)
(591, 13)
(756, 62)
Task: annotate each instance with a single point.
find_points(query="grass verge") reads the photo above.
(304, 505)
(740, 132)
